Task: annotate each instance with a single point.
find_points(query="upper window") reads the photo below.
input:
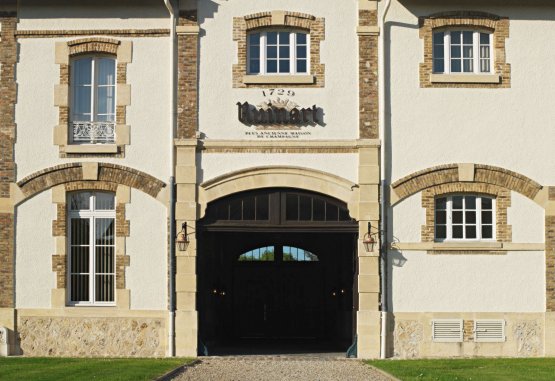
(278, 253)
(462, 51)
(464, 217)
(91, 230)
(278, 52)
(93, 89)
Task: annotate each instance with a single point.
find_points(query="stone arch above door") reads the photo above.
(279, 177)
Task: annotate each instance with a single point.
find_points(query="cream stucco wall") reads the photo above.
(217, 164)
(510, 128)
(469, 283)
(148, 115)
(526, 218)
(92, 14)
(146, 246)
(34, 278)
(218, 51)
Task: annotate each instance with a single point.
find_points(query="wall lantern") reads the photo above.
(182, 240)
(368, 240)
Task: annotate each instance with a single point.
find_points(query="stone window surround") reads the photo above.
(64, 51)
(59, 232)
(313, 25)
(503, 230)
(499, 26)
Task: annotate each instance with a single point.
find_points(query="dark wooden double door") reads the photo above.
(278, 300)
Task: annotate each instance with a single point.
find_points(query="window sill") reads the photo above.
(91, 148)
(465, 78)
(288, 79)
(477, 246)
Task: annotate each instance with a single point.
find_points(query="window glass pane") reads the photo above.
(455, 52)
(457, 202)
(457, 231)
(271, 66)
(441, 232)
(82, 71)
(248, 208)
(456, 66)
(439, 66)
(254, 52)
(301, 51)
(441, 203)
(438, 38)
(487, 232)
(441, 217)
(467, 37)
(284, 66)
(284, 52)
(467, 52)
(105, 100)
(471, 232)
(319, 209)
(301, 66)
(80, 230)
(271, 52)
(79, 261)
(468, 66)
(470, 217)
(254, 66)
(305, 208)
(485, 66)
(457, 217)
(104, 231)
(79, 288)
(82, 101)
(104, 288)
(106, 71)
(262, 207)
(292, 207)
(271, 38)
(301, 38)
(235, 209)
(484, 38)
(104, 201)
(487, 203)
(331, 212)
(487, 217)
(104, 260)
(79, 201)
(254, 39)
(284, 38)
(470, 202)
(438, 51)
(455, 38)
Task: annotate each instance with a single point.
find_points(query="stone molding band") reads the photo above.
(72, 172)
(90, 32)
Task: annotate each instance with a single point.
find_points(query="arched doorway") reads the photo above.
(276, 273)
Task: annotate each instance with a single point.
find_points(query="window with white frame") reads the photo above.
(93, 100)
(462, 52)
(464, 217)
(91, 241)
(278, 52)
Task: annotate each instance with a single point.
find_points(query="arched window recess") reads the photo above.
(278, 254)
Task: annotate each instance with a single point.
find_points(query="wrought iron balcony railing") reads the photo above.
(93, 132)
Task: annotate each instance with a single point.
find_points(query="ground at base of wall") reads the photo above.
(77, 369)
(482, 369)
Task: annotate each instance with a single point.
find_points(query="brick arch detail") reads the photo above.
(93, 44)
(75, 172)
(450, 173)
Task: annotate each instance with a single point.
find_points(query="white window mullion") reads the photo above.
(293, 52)
(447, 51)
(479, 217)
(263, 47)
(449, 218)
(476, 51)
(91, 260)
(93, 90)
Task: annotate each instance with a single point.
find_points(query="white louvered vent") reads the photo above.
(489, 330)
(447, 330)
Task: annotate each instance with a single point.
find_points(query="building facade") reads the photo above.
(182, 177)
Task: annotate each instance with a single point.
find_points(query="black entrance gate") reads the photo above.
(276, 265)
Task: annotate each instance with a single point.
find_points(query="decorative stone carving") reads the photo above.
(407, 338)
(528, 336)
(92, 337)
